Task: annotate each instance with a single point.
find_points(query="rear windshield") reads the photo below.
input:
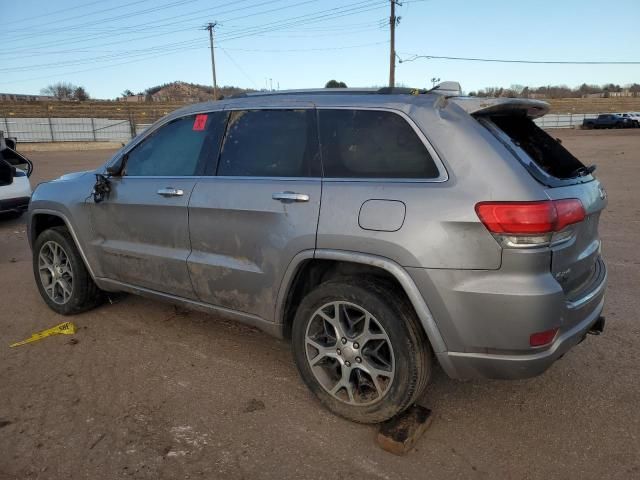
(546, 152)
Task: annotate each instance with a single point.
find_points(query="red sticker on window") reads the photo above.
(200, 122)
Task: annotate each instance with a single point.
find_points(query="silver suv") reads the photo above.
(380, 231)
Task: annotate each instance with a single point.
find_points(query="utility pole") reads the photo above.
(210, 26)
(393, 21)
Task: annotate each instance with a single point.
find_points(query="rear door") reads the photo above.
(258, 208)
(141, 230)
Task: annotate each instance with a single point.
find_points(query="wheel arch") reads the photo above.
(309, 268)
(43, 219)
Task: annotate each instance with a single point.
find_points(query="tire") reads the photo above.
(588, 126)
(403, 355)
(53, 273)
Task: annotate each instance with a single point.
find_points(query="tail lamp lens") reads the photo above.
(530, 218)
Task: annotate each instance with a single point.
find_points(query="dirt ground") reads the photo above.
(148, 391)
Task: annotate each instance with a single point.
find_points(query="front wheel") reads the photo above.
(62, 278)
(360, 349)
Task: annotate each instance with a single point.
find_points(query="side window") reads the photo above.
(372, 144)
(175, 150)
(271, 143)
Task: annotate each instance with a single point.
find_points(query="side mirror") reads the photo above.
(115, 168)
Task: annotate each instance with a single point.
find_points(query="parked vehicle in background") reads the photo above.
(607, 120)
(379, 230)
(633, 117)
(15, 170)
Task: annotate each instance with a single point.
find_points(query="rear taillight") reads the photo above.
(529, 224)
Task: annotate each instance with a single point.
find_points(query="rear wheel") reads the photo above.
(360, 349)
(62, 278)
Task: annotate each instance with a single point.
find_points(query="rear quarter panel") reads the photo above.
(441, 228)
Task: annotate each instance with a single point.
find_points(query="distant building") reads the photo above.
(132, 98)
(19, 97)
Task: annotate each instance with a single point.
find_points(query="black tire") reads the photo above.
(410, 347)
(85, 294)
(588, 126)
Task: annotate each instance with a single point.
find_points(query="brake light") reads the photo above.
(542, 338)
(530, 218)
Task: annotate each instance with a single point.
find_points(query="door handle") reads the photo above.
(171, 192)
(288, 197)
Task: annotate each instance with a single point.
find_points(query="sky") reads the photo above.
(109, 46)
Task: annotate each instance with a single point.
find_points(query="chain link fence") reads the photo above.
(79, 121)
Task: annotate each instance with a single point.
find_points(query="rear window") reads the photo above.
(546, 152)
(372, 144)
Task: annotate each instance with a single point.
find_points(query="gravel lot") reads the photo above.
(150, 391)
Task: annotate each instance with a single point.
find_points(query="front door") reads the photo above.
(141, 230)
(259, 210)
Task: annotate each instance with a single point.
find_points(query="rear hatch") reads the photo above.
(575, 259)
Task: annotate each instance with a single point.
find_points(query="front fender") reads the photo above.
(70, 200)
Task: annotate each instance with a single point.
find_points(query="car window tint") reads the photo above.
(270, 143)
(176, 148)
(372, 144)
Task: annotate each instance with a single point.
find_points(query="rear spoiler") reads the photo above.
(490, 106)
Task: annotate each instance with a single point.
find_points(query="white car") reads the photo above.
(15, 170)
(633, 116)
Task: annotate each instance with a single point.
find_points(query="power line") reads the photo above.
(143, 27)
(150, 25)
(180, 49)
(98, 21)
(239, 68)
(534, 62)
(322, 49)
(314, 17)
(54, 13)
(299, 20)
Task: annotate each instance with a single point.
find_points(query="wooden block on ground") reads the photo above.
(399, 434)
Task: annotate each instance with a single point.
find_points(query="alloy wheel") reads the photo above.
(349, 353)
(55, 272)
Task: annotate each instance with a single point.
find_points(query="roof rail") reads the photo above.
(321, 91)
(444, 88)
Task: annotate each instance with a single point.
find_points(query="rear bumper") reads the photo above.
(481, 365)
(486, 319)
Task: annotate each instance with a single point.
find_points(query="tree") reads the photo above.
(60, 90)
(335, 84)
(127, 93)
(80, 94)
(66, 91)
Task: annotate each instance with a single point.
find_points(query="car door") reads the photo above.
(142, 227)
(257, 210)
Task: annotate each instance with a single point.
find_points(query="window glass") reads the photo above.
(372, 144)
(270, 143)
(176, 148)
